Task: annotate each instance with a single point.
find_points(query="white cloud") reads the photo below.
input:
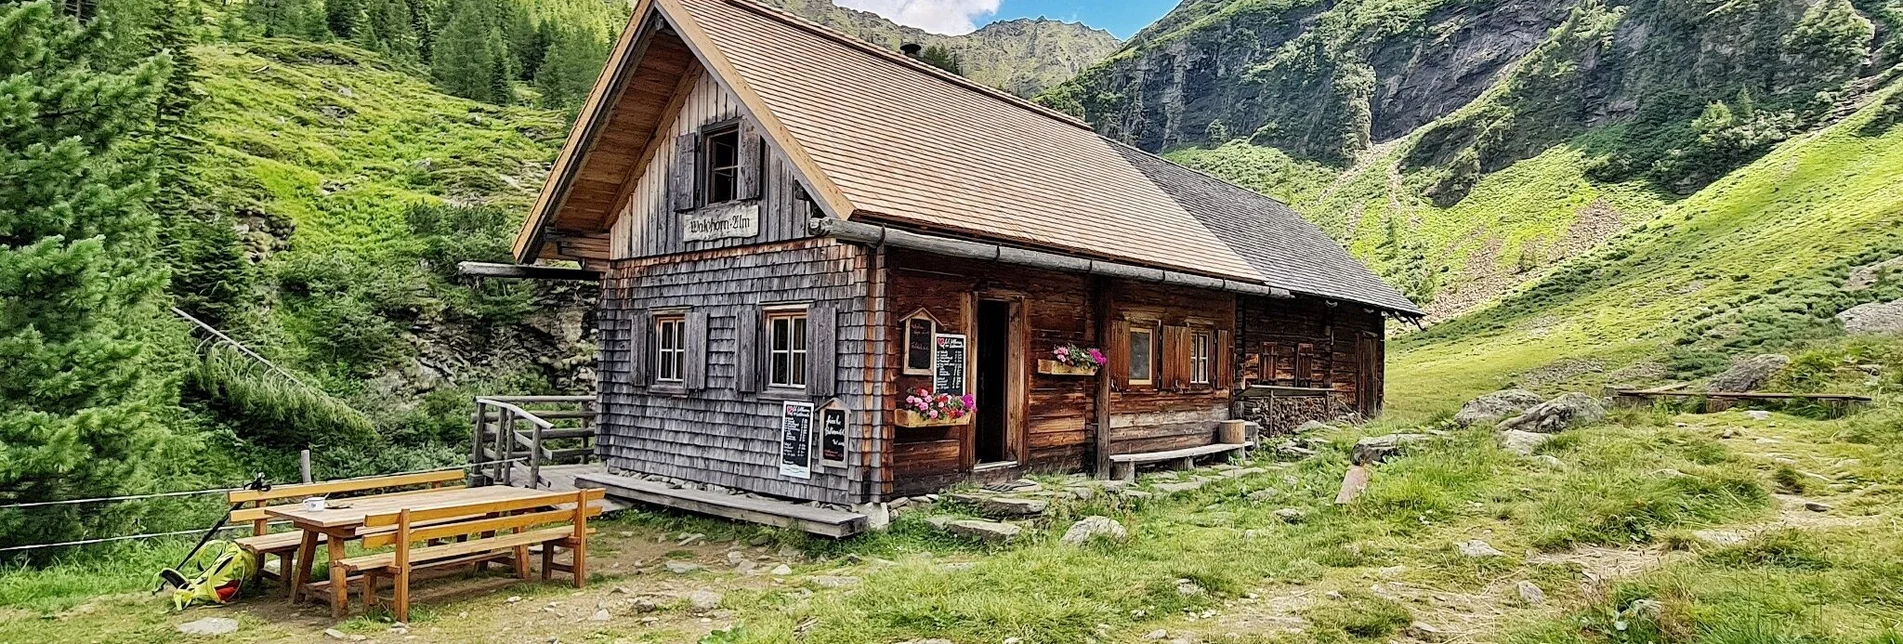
(936, 16)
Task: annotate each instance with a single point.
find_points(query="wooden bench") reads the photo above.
(264, 544)
(468, 535)
(1124, 466)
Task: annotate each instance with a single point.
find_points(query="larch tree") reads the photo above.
(81, 298)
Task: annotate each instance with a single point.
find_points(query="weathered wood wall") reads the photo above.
(715, 433)
(648, 226)
(1059, 417)
(1308, 342)
(1170, 415)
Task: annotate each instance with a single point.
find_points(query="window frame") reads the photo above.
(1202, 353)
(1149, 330)
(663, 357)
(796, 351)
(705, 172)
(931, 331)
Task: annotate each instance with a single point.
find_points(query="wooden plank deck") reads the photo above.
(820, 521)
(561, 478)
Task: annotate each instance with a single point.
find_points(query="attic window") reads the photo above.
(720, 177)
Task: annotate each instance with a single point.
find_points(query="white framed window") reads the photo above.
(786, 349)
(1142, 355)
(670, 348)
(1199, 354)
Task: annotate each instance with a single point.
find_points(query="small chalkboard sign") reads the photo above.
(796, 440)
(832, 435)
(948, 368)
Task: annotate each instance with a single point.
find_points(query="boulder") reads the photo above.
(1522, 443)
(209, 627)
(681, 567)
(1291, 515)
(1173, 488)
(985, 530)
(1749, 374)
(1530, 593)
(1496, 406)
(1557, 415)
(1375, 449)
(1312, 426)
(1478, 549)
(704, 600)
(1094, 527)
(1875, 317)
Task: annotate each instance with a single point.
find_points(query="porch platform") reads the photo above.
(819, 521)
(561, 478)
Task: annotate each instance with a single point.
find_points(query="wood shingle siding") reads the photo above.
(649, 223)
(1307, 342)
(718, 433)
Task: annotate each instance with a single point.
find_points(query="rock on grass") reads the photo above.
(1496, 406)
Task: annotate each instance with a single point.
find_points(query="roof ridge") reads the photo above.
(849, 40)
(1225, 182)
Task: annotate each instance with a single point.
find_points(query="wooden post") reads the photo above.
(1102, 286)
(580, 567)
(402, 599)
(481, 431)
(535, 456)
(505, 448)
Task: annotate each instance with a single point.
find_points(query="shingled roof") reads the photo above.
(878, 136)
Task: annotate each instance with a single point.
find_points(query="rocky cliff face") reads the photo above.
(1327, 79)
(1024, 56)
(1465, 148)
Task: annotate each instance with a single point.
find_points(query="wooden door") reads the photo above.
(1371, 373)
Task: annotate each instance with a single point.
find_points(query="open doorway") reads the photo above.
(990, 439)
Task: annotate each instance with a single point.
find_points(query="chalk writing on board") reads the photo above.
(796, 440)
(948, 373)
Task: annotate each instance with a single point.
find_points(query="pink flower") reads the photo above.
(969, 401)
(933, 414)
(1096, 355)
(1061, 352)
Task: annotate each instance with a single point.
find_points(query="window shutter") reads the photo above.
(1175, 358)
(1117, 350)
(695, 376)
(681, 177)
(746, 356)
(640, 362)
(1223, 362)
(822, 350)
(752, 162)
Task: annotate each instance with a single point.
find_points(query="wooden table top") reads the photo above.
(334, 517)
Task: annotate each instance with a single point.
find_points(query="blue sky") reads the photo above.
(1120, 17)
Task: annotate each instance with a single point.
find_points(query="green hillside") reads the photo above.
(1756, 261)
(1466, 149)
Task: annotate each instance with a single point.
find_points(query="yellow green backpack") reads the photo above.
(223, 569)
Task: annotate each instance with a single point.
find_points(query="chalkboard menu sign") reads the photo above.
(796, 440)
(832, 435)
(948, 358)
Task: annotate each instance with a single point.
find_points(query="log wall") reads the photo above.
(716, 433)
(1309, 342)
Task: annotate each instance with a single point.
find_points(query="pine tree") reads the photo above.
(79, 294)
(288, 18)
(942, 58)
(470, 57)
(575, 57)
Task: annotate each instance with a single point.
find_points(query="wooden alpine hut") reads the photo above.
(804, 239)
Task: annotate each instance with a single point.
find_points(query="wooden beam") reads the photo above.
(519, 271)
(1101, 287)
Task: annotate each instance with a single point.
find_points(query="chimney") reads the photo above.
(911, 49)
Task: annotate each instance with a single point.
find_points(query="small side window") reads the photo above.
(1142, 355)
(720, 172)
(670, 348)
(786, 337)
(1199, 352)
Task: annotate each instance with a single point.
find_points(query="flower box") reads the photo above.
(1055, 368)
(909, 418)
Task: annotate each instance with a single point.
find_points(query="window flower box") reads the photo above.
(911, 419)
(923, 408)
(1072, 360)
(1055, 368)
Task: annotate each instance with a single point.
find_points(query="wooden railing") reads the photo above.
(534, 431)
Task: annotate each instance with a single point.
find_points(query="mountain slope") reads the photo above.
(1760, 260)
(1465, 149)
(1023, 56)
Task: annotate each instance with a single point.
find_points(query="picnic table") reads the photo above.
(344, 521)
